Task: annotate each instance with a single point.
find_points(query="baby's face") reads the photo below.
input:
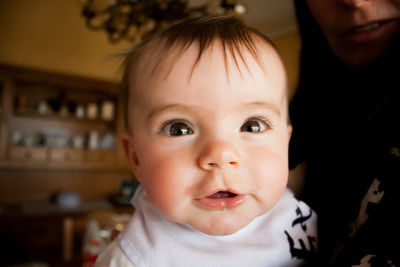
(211, 148)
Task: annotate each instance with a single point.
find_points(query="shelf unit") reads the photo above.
(53, 121)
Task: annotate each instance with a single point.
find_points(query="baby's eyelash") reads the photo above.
(262, 119)
(262, 125)
(176, 127)
(168, 122)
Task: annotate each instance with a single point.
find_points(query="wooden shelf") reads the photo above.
(40, 158)
(34, 115)
(55, 121)
(22, 90)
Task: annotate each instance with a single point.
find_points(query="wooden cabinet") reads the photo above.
(47, 233)
(56, 121)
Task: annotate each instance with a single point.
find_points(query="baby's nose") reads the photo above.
(219, 154)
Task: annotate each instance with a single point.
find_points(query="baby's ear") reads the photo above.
(290, 130)
(130, 153)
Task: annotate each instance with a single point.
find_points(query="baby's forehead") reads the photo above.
(159, 58)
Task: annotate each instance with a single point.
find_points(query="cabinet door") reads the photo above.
(101, 157)
(28, 153)
(65, 155)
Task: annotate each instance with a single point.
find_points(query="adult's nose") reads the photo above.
(355, 3)
(218, 155)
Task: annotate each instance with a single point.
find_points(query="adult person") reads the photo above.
(345, 117)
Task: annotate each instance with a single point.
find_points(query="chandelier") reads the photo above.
(134, 20)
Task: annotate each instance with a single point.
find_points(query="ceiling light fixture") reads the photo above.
(133, 20)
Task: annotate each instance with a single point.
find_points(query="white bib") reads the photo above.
(282, 237)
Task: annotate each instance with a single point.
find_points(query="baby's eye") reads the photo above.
(176, 129)
(254, 126)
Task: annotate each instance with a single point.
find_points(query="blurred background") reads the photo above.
(64, 183)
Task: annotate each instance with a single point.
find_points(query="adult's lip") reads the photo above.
(351, 27)
(366, 28)
(221, 199)
(365, 32)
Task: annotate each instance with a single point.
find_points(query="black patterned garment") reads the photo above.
(346, 129)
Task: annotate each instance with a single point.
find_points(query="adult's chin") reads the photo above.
(362, 49)
(358, 57)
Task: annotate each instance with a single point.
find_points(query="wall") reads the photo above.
(289, 47)
(52, 35)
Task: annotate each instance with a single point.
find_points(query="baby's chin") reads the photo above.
(220, 228)
(220, 232)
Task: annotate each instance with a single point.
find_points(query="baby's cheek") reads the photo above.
(270, 178)
(163, 186)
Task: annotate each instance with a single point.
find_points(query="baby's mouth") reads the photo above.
(222, 194)
(222, 200)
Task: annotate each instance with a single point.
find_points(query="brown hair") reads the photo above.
(231, 32)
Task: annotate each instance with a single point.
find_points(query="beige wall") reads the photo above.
(51, 35)
(289, 46)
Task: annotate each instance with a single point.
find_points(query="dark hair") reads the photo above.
(330, 90)
(233, 34)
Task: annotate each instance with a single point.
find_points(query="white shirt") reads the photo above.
(281, 237)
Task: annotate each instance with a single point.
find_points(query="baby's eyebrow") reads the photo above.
(170, 107)
(265, 105)
(183, 108)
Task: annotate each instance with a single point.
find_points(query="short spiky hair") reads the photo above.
(204, 31)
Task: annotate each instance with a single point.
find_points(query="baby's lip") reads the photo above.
(219, 193)
(222, 194)
(222, 199)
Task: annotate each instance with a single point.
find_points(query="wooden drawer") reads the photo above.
(28, 153)
(31, 239)
(102, 157)
(66, 155)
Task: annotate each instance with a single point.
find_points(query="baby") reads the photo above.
(207, 138)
